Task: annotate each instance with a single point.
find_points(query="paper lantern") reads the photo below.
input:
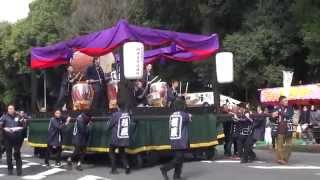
(224, 67)
(133, 57)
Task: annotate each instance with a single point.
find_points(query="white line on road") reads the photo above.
(287, 167)
(1, 175)
(26, 156)
(23, 166)
(92, 177)
(207, 162)
(44, 174)
(232, 161)
(227, 161)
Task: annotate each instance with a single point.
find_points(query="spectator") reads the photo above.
(315, 123)
(304, 122)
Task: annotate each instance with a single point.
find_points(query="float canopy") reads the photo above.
(171, 45)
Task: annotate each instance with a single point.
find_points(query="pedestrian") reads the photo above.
(2, 148)
(258, 129)
(304, 122)
(56, 124)
(13, 133)
(283, 115)
(80, 139)
(227, 130)
(234, 133)
(179, 138)
(244, 136)
(274, 131)
(121, 125)
(315, 122)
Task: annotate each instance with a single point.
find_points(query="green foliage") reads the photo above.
(307, 13)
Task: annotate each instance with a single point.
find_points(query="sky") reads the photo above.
(13, 10)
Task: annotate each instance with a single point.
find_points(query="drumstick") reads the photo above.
(155, 78)
(180, 87)
(80, 78)
(187, 87)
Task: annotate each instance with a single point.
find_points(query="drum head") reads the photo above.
(81, 61)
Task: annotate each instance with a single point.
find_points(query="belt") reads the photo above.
(245, 131)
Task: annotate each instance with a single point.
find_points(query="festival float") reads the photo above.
(151, 133)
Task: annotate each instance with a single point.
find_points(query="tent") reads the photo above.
(301, 95)
(171, 45)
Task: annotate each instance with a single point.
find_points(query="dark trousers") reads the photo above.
(227, 127)
(99, 101)
(244, 145)
(79, 153)
(53, 150)
(122, 155)
(252, 155)
(274, 139)
(228, 146)
(64, 98)
(176, 163)
(2, 148)
(10, 147)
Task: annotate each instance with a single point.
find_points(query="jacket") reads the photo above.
(179, 130)
(81, 131)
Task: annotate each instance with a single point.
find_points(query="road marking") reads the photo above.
(23, 166)
(26, 156)
(287, 167)
(55, 166)
(227, 161)
(1, 175)
(44, 174)
(207, 162)
(230, 161)
(92, 177)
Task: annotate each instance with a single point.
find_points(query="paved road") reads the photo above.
(303, 166)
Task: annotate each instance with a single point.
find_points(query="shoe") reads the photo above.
(164, 174)
(47, 163)
(19, 173)
(281, 162)
(69, 162)
(58, 164)
(243, 161)
(114, 172)
(10, 172)
(127, 170)
(79, 168)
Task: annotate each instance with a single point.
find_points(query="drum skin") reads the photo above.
(82, 96)
(158, 94)
(112, 92)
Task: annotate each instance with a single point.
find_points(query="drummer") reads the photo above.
(95, 76)
(148, 73)
(172, 92)
(68, 80)
(140, 93)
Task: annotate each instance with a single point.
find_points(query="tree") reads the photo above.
(307, 13)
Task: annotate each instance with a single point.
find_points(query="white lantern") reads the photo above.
(133, 58)
(224, 67)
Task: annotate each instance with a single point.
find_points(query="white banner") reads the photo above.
(287, 80)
